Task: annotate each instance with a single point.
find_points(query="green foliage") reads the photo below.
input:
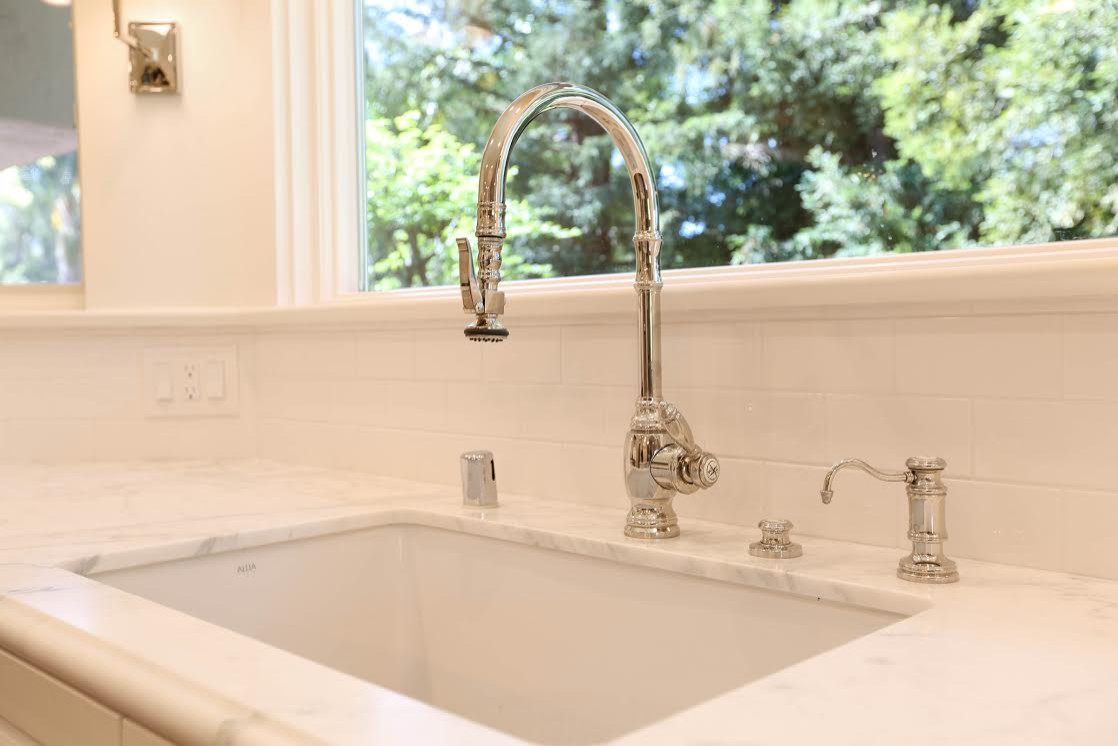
(422, 191)
(1017, 103)
(781, 129)
(40, 222)
(865, 211)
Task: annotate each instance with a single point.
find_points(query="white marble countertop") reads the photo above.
(1007, 655)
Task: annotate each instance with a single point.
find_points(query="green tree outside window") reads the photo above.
(781, 130)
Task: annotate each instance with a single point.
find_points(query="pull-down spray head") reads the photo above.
(480, 296)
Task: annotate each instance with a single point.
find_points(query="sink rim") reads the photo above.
(809, 577)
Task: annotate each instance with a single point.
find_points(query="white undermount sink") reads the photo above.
(548, 646)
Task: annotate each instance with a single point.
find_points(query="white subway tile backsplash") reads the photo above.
(61, 440)
(1091, 356)
(1089, 533)
(446, 355)
(1023, 405)
(71, 397)
(325, 444)
(527, 467)
(23, 356)
(322, 355)
(532, 356)
(430, 456)
(486, 411)
(604, 354)
(1008, 523)
(736, 498)
(597, 415)
(415, 405)
(1011, 356)
(1046, 442)
(385, 355)
(295, 398)
(358, 401)
(109, 439)
(718, 355)
(206, 438)
(760, 425)
(886, 430)
(824, 356)
(863, 510)
(541, 411)
(591, 475)
(780, 426)
(713, 415)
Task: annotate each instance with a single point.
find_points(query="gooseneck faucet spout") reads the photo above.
(885, 476)
(661, 457)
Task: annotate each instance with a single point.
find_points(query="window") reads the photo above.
(780, 130)
(40, 221)
(40, 216)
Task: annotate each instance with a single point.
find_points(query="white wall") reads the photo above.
(78, 396)
(36, 63)
(177, 191)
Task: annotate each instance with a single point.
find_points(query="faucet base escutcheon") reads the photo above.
(917, 568)
(652, 520)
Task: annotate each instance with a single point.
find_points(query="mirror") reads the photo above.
(40, 217)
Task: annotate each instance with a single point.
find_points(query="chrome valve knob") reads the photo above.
(683, 465)
(705, 469)
(774, 543)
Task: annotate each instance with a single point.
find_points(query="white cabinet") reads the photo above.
(138, 735)
(13, 736)
(50, 712)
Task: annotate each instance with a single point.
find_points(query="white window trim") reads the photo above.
(1077, 277)
(42, 297)
(318, 155)
(320, 224)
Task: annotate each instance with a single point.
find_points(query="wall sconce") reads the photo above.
(153, 54)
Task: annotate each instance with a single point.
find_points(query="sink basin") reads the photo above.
(548, 646)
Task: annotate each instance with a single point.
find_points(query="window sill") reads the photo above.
(41, 297)
(924, 284)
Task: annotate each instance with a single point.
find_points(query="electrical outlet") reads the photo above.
(190, 381)
(190, 375)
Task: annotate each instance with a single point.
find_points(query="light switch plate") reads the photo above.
(191, 381)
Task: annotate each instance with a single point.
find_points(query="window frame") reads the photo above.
(47, 296)
(319, 212)
(50, 296)
(320, 258)
(42, 296)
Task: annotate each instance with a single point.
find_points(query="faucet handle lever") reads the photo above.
(678, 428)
(472, 299)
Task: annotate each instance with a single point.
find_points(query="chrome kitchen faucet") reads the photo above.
(661, 456)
